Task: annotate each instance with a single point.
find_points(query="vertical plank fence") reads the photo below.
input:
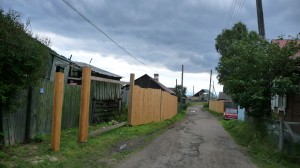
(150, 105)
(217, 106)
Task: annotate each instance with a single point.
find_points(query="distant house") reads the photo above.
(223, 96)
(145, 81)
(289, 105)
(203, 95)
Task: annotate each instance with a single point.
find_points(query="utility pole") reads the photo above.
(176, 87)
(209, 86)
(193, 90)
(181, 98)
(260, 18)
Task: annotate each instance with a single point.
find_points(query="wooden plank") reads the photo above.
(156, 105)
(98, 132)
(131, 100)
(108, 80)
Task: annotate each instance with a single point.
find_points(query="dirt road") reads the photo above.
(198, 141)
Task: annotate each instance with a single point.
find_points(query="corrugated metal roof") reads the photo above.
(223, 96)
(95, 69)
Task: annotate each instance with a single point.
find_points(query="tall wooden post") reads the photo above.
(209, 87)
(260, 18)
(130, 99)
(84, 105)
(57, 104)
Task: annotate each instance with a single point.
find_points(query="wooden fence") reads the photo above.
(33, 114)
(217, 106)
(151, 105)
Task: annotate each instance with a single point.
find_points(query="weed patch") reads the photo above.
(101, 151)
(261, 147)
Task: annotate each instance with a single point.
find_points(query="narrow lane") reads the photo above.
(198, 141)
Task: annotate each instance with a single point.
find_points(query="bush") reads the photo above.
(24, 59)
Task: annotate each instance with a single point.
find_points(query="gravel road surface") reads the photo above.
(198, 141)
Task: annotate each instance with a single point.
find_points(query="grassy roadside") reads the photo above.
(261, 148)
(101, 151)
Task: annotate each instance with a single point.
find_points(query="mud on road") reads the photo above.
(198, 141)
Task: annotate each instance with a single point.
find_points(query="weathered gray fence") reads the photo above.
(34, 111)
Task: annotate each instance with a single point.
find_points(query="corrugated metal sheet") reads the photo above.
(95, 69)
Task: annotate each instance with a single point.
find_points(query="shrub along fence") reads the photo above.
(148, 105)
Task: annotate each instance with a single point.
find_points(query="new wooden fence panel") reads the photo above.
(157, 105)
(138, 99)
(217, 106)
(148, 106)
(152, 105)
(169, 106)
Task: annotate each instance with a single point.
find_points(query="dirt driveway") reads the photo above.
(198, 141)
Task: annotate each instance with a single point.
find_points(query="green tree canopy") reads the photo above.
(23, 59)
(178, 92)
(252, 70)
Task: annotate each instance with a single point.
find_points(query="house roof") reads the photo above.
(97, 70)
(223, 96)
(284, 42)
(161, 86)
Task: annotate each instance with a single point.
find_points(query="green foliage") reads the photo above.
(261, 147)
(23, 58)
(101, 151)
(252, 70)
(179, 93)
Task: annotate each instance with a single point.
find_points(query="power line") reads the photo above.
(96, 27)
(232, 8)
(240, 9)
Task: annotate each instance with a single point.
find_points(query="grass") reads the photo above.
(262, 148)
(100, 151)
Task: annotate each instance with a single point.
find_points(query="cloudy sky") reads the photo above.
(162, 34)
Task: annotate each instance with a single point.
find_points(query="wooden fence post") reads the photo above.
(130, 100)
(57, 104)
(84, 104)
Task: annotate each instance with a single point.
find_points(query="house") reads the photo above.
(105, 86)
(288, 105)
(203, 95)
(145, 81)
(56, 59)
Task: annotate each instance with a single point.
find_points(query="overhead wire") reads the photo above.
(240, 9)
(97, 28)
(232, 8)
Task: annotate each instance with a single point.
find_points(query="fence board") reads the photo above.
(71, 106)
(152, 105)
(217, 106)
(156, 105)
(14, 123)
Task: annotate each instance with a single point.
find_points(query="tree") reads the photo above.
(178, 92)
(24, 59)
(253, 70)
